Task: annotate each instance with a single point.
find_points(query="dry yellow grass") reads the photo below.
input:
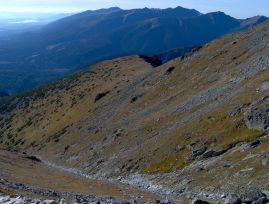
(117, 136)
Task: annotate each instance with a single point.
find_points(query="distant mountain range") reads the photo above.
(74, 42)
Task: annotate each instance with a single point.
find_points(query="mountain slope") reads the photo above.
(194, 126)
(72, 43)
(36, 179)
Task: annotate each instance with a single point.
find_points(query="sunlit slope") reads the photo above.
(125, 116)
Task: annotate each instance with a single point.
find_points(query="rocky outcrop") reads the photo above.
(253, 195)
(249, 195)
(17, 199)
(153, 60)
(100, 95)
(232, 199)
(258, 119)
(257, 115)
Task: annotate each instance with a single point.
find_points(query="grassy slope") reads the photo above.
(16, 168)
(154, 134)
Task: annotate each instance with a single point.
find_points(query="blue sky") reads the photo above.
(236, 8)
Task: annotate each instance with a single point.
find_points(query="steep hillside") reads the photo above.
(72, 43)
(195, 126)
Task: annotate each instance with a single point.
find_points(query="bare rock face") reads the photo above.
(258, 117)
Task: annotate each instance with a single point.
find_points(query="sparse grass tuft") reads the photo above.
(173, 162)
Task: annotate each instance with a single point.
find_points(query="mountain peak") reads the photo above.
(255, 20)
(217, 13)
(113, 9)
(180, 8)
(104, 10)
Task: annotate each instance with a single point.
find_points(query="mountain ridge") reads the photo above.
(75, 42)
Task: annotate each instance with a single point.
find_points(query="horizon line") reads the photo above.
(43, 11)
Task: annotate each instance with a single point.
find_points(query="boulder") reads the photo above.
(198, 201)
(19, 202)
(258, 118)
(197, 152)
(262, 200)
(49, 202)
(213, 153)
(232, 199)
(166, 202)
(255, 143)
(251, 194)
(62, 201)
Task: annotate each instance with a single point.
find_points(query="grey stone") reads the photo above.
(213, 153)
(166, 202)
(198, 152)
(251, 194)
(258, 118)
(62, 201)
(238, 110)
(49, 202)
(232, 199)
(262, 200)
(19, 202)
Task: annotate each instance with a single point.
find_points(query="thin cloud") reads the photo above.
(237, 8)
